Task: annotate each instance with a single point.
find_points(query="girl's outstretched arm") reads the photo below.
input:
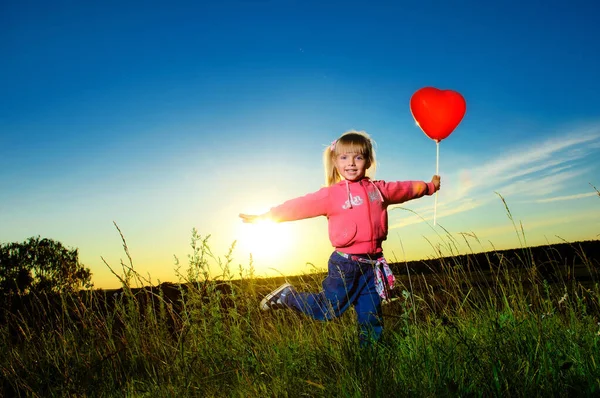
(402, 191)
(307, 206)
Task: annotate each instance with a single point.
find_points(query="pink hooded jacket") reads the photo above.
(356, 211)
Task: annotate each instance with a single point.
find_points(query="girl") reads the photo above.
(356, 209)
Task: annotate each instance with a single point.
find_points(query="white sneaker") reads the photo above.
(273, 300)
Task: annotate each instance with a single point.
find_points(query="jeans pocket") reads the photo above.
(340, 268)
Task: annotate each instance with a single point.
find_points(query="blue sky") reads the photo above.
(164, 117)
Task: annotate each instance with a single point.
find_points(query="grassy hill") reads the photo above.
(520, 322)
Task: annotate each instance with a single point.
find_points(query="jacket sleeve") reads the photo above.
(402, 191)
(308, 206)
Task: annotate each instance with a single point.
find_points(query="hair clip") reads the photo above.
(332, 146)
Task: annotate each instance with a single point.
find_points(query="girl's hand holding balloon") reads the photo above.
(436, 182)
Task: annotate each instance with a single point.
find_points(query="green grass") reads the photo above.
(497, 329)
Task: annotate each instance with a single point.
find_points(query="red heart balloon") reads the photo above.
(437, 112)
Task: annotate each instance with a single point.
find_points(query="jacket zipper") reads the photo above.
(367, 199)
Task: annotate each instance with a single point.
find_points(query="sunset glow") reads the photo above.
(265, 240)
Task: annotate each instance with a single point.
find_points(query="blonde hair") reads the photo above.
(350, 142)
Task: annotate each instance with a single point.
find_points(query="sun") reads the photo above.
(266, 240)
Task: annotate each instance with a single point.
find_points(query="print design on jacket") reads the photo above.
(374, 196)
(356, 201)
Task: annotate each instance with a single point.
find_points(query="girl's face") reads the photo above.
(351, 166)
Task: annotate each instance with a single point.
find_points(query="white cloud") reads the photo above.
(567, 197)
(535, 157)
(541, 185)
(544, 161)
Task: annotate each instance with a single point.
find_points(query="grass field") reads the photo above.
(505, 323)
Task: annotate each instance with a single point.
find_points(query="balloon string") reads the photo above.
(437, 171)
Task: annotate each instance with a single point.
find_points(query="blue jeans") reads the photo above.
(348, 282)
